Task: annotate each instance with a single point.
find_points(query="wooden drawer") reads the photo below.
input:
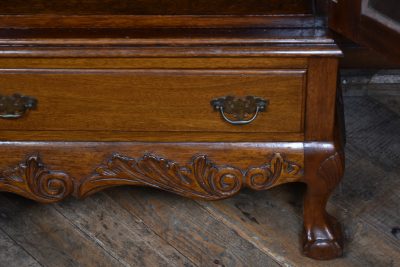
(152, 100)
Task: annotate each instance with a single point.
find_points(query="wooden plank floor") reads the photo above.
(147, 227)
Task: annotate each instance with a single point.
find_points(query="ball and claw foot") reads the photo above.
(323, 242)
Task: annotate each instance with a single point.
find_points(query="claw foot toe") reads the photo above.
(322, 243)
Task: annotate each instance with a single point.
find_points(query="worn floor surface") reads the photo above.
(146, 227)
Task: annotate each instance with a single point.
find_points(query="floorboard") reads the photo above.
(120, 233)
(48, 236)
(190, 229)
(11, 254)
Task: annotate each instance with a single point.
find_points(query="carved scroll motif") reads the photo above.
(201, 178)
(264, 177)
(33, 180)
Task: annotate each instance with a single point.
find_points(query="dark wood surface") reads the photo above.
(168, 43)
(356, 56)
(147, 227)
(154, 97)
(151, 13)
(347, 18)
(156, 7)
(361, 57)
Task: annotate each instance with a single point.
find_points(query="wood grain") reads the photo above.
(153, 100)
(282, 34)
(118, 136)
(33, 180)
(87, 100)
(202, 177)
(60, 242)
(366, 202)
(321, 99)
(13, 255)
(189, 228)
(268, 222)
(280, 41)
(122, 234)
(153, 63)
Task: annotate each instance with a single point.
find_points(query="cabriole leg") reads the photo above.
(322, 238)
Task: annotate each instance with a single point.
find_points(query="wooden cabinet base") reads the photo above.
(54, 171)
(197, 112)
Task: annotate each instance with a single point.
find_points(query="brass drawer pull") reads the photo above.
(15, 106)
(239, 108)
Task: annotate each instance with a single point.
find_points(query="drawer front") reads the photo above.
(153, 100)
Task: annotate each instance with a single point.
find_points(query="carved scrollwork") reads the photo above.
(264, 177)
(200, 179)
(33, 180)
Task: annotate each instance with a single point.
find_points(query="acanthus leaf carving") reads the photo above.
(33, 180)
(201, 178)
(265, 176)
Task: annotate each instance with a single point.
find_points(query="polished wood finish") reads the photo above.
(322, 237)
(108, 63)
(201, 179)
(320, 118)
(155, 7)
(32, 180)
(150, 13)
(149, 227)
(118, 136)
(167, 43)
(158, 100)
(123, 102)
(208, 175)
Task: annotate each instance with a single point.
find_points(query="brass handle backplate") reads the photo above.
(16, 106)
(241, 111)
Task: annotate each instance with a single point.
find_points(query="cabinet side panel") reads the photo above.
(321, 97)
